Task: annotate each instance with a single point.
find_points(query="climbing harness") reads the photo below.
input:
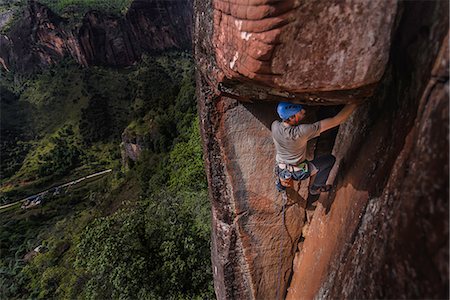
(286, 173)
(284, 201)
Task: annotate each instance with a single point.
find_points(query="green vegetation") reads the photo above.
(42, 126)
(55, 222)
(11, 5)
(159, 248)
(10, 11)
(153, 248)
(76, 9)
(63, 156)
(13, 130)
(71, 10)
(97, 104)
(141, 233)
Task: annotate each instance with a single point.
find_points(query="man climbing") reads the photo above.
(290, 138)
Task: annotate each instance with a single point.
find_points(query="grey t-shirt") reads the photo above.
(290, 141)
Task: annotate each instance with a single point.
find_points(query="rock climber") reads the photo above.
(290, 138)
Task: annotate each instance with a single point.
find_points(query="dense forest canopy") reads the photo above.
(141, 232)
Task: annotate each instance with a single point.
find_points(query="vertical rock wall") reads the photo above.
(384, 232)
(359, 241)
(252, 250)
(41, 37)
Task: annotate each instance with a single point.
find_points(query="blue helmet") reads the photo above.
(286, 109)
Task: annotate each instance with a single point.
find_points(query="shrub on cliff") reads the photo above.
(186, 163)
(63, 156)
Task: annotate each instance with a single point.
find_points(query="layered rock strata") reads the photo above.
(313, 51)
(41, 37)
(379, 151)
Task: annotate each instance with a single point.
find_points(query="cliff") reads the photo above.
(383, 230)
(41, 37)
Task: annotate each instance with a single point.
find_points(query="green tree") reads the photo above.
(95, 124)
(153, 251)
(187, 172)
(64, 155)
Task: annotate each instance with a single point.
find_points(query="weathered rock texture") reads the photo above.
(383, 231)
(315, 51)
(41, 37)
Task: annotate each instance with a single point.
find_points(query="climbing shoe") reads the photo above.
(316, 190)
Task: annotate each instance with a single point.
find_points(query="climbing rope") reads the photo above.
(284, 199)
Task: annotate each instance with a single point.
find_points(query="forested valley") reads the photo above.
(141, 231)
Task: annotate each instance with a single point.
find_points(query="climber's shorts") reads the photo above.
(298, 172)
(303, 173)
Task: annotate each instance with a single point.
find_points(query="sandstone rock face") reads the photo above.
(252, 248)
(383, 231)
(41, 37)
(38, 38)
(308, 50)
(386, 235)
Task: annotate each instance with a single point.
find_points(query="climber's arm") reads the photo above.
(340, 118)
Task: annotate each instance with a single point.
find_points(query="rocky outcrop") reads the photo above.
(322, 51)
(147, 26)
(41, 37)
(132, 145)
(383, 231)
(130, 149)
(37, 39)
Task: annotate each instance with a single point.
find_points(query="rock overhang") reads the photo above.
(311, 52)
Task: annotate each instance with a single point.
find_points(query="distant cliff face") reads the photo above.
(40, 37)
(383, 231)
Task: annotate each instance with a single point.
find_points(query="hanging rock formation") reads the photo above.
(323, 51)
(383, 231)
(41, 37)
